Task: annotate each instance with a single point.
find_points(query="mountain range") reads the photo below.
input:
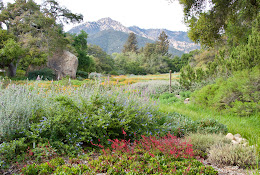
(111, 36)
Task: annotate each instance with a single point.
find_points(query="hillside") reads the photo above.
(113, 41)
(98, 31)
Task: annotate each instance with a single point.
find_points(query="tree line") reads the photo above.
(150, 59)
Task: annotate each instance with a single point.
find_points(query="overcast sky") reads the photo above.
(142, 13)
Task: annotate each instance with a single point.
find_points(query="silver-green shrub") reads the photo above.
(16, 106)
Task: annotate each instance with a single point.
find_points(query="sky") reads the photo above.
(142, 13)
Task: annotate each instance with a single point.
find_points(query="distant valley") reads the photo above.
(111, 35)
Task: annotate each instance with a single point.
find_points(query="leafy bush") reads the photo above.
(201, 143)
(10, 151)
(100, 118)
(168, 98)
(20, 75)
(238, 94)
(181, 125)
(45, 73)
(113, 72)
(232, 155)
(82, 74)
(185, 94)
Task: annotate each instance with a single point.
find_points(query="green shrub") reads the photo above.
(181, 125)
(11, 151)
(113, 72)
(82, 74)
(238, 94)
(168, 98)
(100, 118)
(31, 169)
(45, 73)
(20, 75)
(232, 155)
(201, 143)
(185, 94)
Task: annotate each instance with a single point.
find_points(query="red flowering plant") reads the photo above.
(149, 155)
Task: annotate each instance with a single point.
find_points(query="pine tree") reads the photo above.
(162, 45)
(131, 44)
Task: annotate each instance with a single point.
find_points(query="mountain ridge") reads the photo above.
(177, 39)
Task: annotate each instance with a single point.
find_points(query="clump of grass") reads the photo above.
(233, 155)
(201, 143)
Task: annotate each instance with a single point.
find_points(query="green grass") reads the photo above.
(248, 127)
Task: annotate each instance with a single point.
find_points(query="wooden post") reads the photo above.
(170, 87)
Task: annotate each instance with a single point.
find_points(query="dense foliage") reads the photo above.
(36, 36)
(85, 62)
(232, 19)
(238, 94)
(103, 62)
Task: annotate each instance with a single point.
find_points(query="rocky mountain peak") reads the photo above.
(107, 21)
(108, 24)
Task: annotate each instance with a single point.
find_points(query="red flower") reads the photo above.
(31, 153)
(124, 132)
(151, 154)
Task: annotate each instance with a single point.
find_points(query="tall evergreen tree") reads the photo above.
(131, 44)
(162, 45)
(86, 63)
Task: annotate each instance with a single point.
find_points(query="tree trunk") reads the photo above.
(12, 70)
